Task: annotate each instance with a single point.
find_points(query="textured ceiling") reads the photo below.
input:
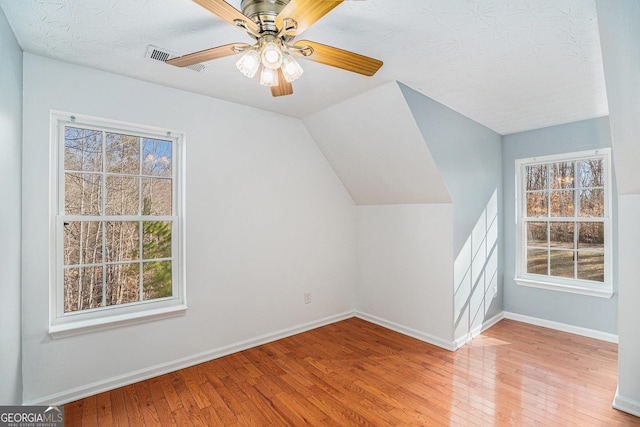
(511, 65)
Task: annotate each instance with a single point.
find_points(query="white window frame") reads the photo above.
(577, 286)
(63, 324)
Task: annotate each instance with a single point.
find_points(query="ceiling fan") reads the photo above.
(274, 24)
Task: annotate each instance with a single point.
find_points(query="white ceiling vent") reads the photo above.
(163, 55)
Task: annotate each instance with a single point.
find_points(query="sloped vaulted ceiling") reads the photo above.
(377, 150)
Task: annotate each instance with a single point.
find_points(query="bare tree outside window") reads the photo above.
(118, 207)
(564, 220)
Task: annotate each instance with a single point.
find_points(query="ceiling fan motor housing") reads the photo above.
(263, 12)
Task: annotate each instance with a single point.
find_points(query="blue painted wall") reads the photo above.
(469, 158)
(10, 222)
(595, 313)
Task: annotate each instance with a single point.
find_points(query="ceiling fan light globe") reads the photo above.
(249, 63)
(290, 68)
(269, 77)
(271, 56)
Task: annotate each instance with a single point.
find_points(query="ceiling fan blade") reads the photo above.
(283, 88)
(305, 12)
(207, 55)
(339, 58)
(227, 12)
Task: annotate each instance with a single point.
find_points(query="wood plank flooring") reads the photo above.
(357, 373)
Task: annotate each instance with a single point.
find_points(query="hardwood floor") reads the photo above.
(357, 373)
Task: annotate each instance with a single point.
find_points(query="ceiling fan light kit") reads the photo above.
(269, 77)
(249, 63)
(290, 67)
(271, 55)
(274, 24)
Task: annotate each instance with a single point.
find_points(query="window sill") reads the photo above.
(574, 289)
(107, 322)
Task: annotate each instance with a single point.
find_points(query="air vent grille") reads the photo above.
(196, 67)
(163, 55)
(159, 55)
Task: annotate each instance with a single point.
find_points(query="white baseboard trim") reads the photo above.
(97, 387)
(461, 341)
(490, 322)
(629, 406)
(405, 330)
(486, 324)
(563, 327)
(143, 374)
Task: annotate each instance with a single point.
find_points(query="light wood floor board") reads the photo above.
(356, 373)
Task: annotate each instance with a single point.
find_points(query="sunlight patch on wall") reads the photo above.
(476, 274)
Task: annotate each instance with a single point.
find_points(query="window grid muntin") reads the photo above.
(574, 249)
(576, 219)
(140, 256)
(104, 219)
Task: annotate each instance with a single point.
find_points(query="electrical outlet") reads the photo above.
(307, 297)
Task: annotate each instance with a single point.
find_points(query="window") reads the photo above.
(564, 237)
(117, 224)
